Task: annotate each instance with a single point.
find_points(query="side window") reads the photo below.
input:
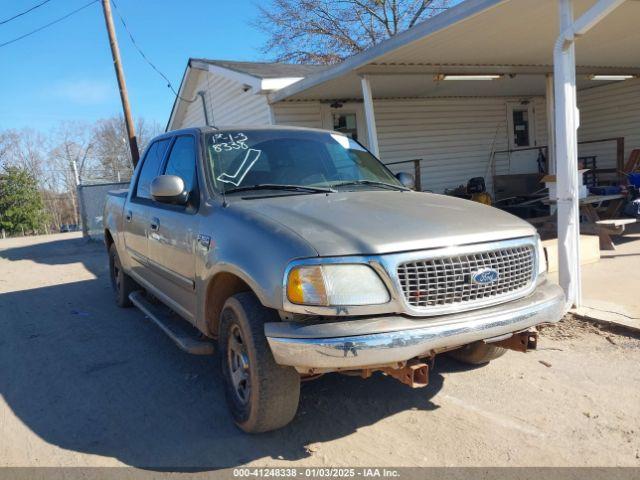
(346, 123)
(150, 167)
(520, 119)
(182, 161)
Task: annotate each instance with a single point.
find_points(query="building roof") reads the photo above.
(510, 37)
(265, 69)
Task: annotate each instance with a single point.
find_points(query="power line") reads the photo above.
(146, 59)
(2, 22)
(47, 25)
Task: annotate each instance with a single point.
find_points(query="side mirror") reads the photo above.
(169, 189)
(406, 179)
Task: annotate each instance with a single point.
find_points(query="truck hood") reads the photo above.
(378, 222)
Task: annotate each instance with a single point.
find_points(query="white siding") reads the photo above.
(193, 115)
(298, 114)
(455, 138)
(227, 104)
(606, 112)
(190, 114)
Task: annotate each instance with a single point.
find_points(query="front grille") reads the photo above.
(437, 282)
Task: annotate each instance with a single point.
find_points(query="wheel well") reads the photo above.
(108, 239)
(220, 288)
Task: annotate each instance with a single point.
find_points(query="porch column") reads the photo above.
(372, 132)
(567, 122)
(551, 132)
(567, 159)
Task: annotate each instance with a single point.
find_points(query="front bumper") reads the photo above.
(353, 344)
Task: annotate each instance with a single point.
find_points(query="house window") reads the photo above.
(521, 123)
(346, 123)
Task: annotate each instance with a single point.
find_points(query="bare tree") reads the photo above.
(68, 161)
(113, 157)
(24, 148)
(328, 31)
(70, 154)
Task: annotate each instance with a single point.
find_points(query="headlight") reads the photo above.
(329, 285)
(542, 258)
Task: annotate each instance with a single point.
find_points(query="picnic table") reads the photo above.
(605, 227)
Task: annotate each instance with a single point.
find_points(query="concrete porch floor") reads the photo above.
(611, 286)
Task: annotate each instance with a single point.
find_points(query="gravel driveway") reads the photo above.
(83, 383)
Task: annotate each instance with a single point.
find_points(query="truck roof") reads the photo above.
(205, 129)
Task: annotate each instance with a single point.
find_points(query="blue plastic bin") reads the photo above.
(634, 179)
(605, 190)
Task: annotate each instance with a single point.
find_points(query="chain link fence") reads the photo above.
(92, 198)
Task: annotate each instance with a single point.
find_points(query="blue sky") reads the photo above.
(65, 72)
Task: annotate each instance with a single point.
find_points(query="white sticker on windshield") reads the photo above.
(347, 142)
(226, 142)
(250, 158)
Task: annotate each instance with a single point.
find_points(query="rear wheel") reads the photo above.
(477, 353)
(121, 283)
(261, 394)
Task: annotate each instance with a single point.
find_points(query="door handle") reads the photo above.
(128, 216)
(155, 224)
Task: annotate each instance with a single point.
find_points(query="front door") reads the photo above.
(136, 213)
(174, 230)
(523, 156)
(347, 118)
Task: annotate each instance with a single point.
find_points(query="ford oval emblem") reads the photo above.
(484, 276)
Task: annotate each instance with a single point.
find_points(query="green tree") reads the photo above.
(21, 206)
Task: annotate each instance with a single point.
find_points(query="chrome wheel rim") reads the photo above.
(238, 362)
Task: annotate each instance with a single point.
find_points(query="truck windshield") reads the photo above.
(288, 159)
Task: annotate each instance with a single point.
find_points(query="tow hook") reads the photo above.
(415, 374)
(520, 342)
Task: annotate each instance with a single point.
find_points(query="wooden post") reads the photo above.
(417, 175)
(551, 129)
(122, 86)
(620, 158)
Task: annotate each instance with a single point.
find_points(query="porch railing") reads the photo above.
(619, 142)
(416, 170)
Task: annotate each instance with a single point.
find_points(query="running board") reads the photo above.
(188, 338)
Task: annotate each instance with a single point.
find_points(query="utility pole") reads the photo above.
(117, 64)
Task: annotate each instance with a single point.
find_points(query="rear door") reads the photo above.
(174, 230)
(136, 210)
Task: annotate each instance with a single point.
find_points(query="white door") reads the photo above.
(346, 118)
(522, 137)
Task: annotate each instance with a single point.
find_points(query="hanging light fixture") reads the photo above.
(446, 76)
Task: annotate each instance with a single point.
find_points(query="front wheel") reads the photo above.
(261, 394)
(121, 283)
(477, 353)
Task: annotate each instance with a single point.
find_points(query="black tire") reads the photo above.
(477, 353)
(121, 283)
(265, 395)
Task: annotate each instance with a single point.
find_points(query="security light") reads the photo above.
(614, 78)
(440, 77)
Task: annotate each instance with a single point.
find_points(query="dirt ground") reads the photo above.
(83, 383)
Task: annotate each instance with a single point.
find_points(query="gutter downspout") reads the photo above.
(201, 94)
